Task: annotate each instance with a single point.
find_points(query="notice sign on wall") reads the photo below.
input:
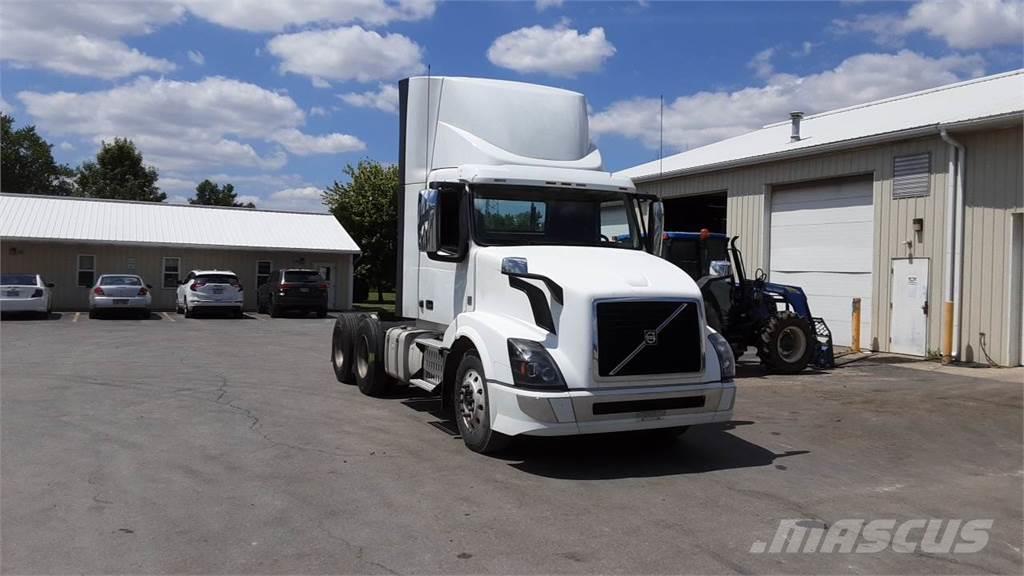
(131, 266)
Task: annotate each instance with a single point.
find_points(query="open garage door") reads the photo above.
(692, 213)
(822, 241)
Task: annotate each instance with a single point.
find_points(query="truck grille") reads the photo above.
(638, 338)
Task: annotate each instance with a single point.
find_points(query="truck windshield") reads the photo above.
(512, 215)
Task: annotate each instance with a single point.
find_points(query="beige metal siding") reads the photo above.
(58, 262)
(994, 190)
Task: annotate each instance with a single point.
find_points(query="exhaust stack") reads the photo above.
(795, 118)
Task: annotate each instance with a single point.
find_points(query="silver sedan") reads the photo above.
(120, 292)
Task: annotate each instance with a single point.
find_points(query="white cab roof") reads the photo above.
(988, 98)
(29, 217)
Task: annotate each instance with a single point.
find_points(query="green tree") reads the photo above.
(367, 206)
(212, 194)
(118, 173)
(27, 165)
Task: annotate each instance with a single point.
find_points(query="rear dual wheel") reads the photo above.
(343, 346)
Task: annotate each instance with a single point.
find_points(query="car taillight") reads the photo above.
(238, 285)
(143, 291)
(38, 293)
(323, 286)
(197, 286)
(97, 291)
(285, 286)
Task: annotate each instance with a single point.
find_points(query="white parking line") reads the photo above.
(167, 316)
(256, 316)
(75, 319)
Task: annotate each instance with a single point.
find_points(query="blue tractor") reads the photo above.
(773, 318)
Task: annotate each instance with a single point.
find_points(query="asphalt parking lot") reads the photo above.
(175, 445)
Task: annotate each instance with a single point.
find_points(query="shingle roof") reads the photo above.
(989, 97)
(30, 217)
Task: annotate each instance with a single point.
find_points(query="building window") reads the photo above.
(263, 271)
(171, 269)
(912, 175)
(86, 270)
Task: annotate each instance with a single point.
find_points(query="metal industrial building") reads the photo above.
(71, 241)
(915, 204)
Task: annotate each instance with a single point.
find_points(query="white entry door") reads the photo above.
(909, 317)
(326, 271)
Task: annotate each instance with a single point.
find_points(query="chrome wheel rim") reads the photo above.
(339, 355)
(362, 358)
(792, 344)
(470, 401)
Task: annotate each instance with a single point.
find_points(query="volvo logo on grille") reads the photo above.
(650, 337)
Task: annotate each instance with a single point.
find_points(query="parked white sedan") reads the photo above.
(120, 292)
(25, 293)
(210, 290)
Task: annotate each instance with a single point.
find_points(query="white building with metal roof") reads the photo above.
(913, 204)
(71, 241)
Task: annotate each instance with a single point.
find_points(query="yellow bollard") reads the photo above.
(855, 339)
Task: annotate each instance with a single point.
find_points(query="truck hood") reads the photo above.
(587, 272)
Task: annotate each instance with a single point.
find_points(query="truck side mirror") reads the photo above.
(429, 222)
(720, 268)
(656, 226)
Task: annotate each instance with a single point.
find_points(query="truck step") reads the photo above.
(424, 384)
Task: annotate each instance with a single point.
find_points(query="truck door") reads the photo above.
(443, 282)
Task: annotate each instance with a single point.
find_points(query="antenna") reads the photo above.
(426, 137)
(661, 140)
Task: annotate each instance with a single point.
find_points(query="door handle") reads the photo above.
(430, 304)
(924, 307)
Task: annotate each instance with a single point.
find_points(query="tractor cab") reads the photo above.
(774, 318)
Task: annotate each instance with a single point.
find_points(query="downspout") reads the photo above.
(954, 255)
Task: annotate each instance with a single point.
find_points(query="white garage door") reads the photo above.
(822, 241)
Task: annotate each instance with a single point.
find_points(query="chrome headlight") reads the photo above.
(726, 360)
(532, 366)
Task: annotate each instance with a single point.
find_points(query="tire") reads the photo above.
(369, 358)
(189, 313)
(145, 313)
(343, 347)
(472, 408)
(275, 310)
(712, 317)
(787, 343)
(321, 313)
(93, 314)
(240, 313)
(261, 308)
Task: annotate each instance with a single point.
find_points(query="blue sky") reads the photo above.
(276, 97)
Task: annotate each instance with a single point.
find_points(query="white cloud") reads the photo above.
(302, 199)
(384, 98)
(319, 82)
(304, 144)
(279, 15)
(351, 53)
(171, 184)
(184, 126)
(558, 51)
(761, 63)
(173, 199)
(318, 111)
(962, 24)
(5, 106)
(83, 39)
(66, 146)
(543, 5)
(704, 117)
(196, 57)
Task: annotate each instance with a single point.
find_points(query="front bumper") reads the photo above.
(23, 305)
(518, 411)
(111, 302)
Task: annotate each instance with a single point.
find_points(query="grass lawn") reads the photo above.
(385, 306)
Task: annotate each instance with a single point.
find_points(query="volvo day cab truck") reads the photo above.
(514, 301)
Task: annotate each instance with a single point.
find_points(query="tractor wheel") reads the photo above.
(787, 343)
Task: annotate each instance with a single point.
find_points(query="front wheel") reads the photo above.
(787, 343)
(472, 409)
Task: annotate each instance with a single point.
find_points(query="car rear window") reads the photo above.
(18, 279)
(120, 281)
(217, 278)
(301, 276)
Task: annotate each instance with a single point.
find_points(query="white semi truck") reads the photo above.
(514, 300)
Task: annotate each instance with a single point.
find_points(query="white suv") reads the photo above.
(210, 290)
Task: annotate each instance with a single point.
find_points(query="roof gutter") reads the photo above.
(929, 130)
